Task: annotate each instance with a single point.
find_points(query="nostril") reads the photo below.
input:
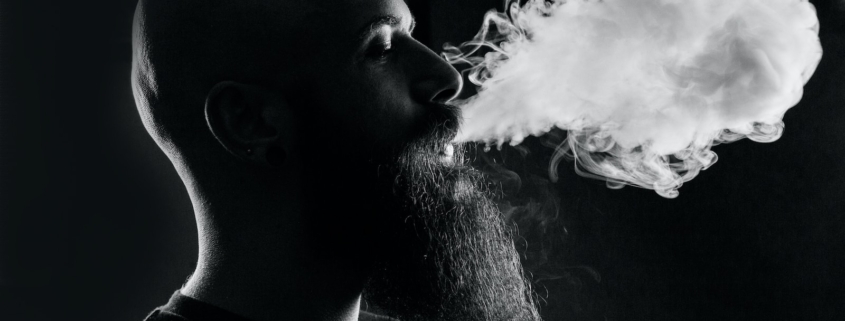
(444, 95)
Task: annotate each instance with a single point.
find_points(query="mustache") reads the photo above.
(439, 126)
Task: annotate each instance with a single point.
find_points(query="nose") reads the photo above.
(436, 81)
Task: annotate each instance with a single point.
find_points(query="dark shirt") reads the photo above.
(184, 308)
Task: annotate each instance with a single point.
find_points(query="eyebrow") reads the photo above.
(385, 20)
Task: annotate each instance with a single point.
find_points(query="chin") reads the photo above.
(448, 253)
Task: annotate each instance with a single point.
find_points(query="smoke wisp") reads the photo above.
(644, 88)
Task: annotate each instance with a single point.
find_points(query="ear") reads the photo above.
(243, 118)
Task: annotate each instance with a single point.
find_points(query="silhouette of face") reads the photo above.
(368, 80)
(377, 98)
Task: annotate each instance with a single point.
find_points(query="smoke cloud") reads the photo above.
(644, 88)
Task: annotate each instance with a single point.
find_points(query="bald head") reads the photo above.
(219, 83)
(333, 48)
(183, 48)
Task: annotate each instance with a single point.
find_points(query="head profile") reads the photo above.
(314, 138)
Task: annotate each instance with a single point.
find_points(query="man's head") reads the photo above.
(328, 121)
(354, 63)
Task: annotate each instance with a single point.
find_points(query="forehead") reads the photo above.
(342, 20)
(360, 10)
(314, 38)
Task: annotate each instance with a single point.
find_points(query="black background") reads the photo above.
(95, 224)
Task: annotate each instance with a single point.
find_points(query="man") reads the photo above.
(313, 138)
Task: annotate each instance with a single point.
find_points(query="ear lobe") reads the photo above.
(236, 114)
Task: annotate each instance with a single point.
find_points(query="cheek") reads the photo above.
(387, 108)
(365, 107)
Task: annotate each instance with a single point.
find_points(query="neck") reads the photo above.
(261, 265)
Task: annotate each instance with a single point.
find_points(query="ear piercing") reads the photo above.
(275, 155)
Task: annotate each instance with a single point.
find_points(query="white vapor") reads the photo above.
(644, 88)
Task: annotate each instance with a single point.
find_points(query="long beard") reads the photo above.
(449, 255)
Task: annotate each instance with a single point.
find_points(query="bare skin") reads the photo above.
(238, 81)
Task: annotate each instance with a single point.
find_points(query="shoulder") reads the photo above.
(158, 315)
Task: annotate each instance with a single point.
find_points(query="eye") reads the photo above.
(380, 50)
